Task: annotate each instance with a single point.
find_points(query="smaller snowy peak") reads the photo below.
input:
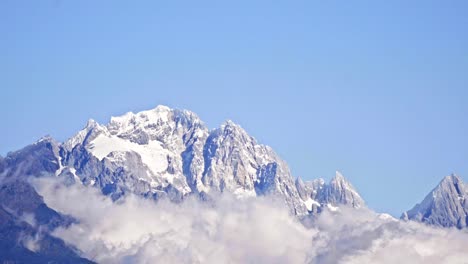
(91, 127)
(340, 191)
(339, 182)
(337, 192)
(444, 206)
(338, 177)
(91, 124)
(450, 188)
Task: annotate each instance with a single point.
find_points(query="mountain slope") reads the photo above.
(444, 206)
(25, 220)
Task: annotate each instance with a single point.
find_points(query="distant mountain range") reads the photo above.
(170, 154)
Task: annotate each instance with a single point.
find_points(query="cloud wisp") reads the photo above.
(136, 230)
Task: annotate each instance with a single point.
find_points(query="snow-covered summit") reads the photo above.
(444, 206)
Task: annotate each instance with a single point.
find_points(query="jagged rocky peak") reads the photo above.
(233, 129)
(230, 159)
(235, 162)
(454, 183)
(318, 195)
(444, 206)
(340, 191)
(86, 134)
(230, 133)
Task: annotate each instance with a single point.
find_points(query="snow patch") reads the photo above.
(310, 202)
(152, 154)
(332, 208)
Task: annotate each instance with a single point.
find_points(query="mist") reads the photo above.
(229, 230)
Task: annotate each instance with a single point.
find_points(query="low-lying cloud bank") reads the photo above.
(256, 230)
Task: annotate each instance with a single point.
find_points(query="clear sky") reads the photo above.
(375, 89)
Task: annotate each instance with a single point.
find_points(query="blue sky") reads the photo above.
(375, 89)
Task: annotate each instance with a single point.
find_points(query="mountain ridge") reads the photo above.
(164, 152)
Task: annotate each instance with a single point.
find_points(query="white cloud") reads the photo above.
(232, 231)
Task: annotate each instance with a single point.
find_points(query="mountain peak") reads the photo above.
(340, 191)
(451, 179)
(444, 205)
(46, 138)
(451, 185)
(341, 181)
(162, 108)
(91, 123)
(232, 129)
(339, 177)
(229, 124)
(157, 116)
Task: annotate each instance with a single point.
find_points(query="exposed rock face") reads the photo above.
(444, 206)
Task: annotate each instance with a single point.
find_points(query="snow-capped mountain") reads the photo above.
(444, 206)
(171, 153)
